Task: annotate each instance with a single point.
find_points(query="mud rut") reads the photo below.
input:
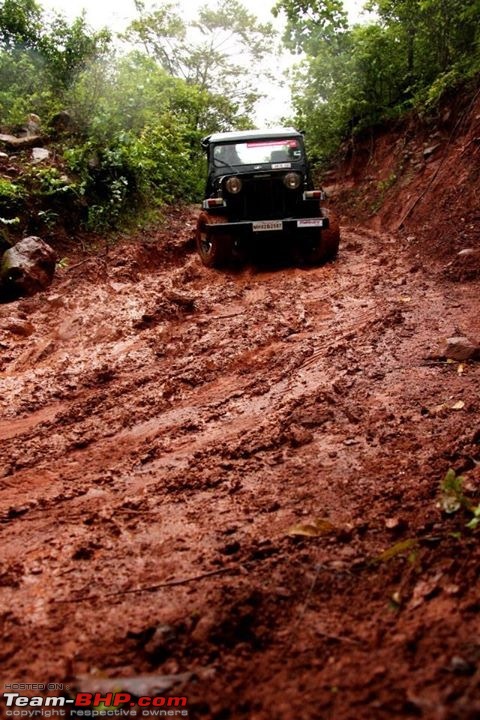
(164, 427)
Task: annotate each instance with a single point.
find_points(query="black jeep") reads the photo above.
(259, 189)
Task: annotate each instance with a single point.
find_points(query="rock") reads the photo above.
(61, 122)
(39, 154)
(26, 268)
(20, 143)
(299, 436)
(459, 348)
(138, 685)
(56, 301)
(32, 125)
(163, 636)
(430, 150)
(186, 302)
(460, 666)
(3, 157)
(393, 523)
(468, 252)
(24, 328)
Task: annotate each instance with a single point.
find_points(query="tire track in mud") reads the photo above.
(158, 439)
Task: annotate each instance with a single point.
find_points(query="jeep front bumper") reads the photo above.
(254, 227)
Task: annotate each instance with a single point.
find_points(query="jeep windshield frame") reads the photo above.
(275, 153)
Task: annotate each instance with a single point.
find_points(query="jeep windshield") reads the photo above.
(258, 152)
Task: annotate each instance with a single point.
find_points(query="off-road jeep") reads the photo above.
(259, 191)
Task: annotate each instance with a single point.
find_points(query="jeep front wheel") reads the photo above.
(214, 248)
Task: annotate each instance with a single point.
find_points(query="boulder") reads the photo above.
(32, 125)
(39, 154)
(12, 142)
(459, 348)
(26, 268)
(61, 122)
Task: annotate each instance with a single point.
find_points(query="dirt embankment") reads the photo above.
(421, 180)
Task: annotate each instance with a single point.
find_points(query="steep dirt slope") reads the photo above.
(165, 426)
(421, 180)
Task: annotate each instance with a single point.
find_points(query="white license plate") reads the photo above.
(310, 222)
(267, 225)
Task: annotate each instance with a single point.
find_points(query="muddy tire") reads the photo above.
(215, 249)
(326, 247)
(331, 236)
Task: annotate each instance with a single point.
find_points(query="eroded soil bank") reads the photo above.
(164, 427)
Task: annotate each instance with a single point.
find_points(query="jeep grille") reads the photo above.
(263, 197)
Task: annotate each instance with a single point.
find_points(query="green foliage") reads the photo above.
(20, 24)
(310, 24)
(453, 498)
(137, 116)
(407, 55)
(12, 197)
(67, 48)
(8, 190)
(451, 492)
(138, 139)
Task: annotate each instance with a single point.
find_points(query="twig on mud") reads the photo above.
(339, 638)
(82, 262)
(172, 583)
(151, 588)
(319, 631)
(302, 612)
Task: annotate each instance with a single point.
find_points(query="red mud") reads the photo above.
(163, 428)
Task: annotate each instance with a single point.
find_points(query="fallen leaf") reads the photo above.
(458, 405)
(397, 549)
(460, 369)
(312, 529)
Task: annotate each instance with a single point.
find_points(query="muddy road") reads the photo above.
(236, 476)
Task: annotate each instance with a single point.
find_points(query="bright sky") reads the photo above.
(117, 13)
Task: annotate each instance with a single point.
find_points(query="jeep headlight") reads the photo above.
(233, 185)
(292, 180)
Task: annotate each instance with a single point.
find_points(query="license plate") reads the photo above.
(310, 222)
(267, 225)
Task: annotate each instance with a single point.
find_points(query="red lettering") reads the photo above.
(158, 702)
(121, 699)
(83, 699)
(177, 702)
(144, 701)
(106, 700)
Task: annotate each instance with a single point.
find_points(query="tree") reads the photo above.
(434, 35)
(355, 77)
(67, 48)
(20, 24)
(311, 23)
(216, 53)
